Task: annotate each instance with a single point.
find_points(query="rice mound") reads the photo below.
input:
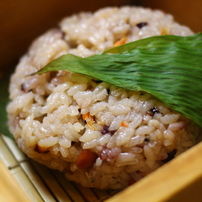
(97, 134)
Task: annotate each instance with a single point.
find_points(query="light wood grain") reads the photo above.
(178, 181)
(10, 191)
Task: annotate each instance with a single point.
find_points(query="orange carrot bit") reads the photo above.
(124, 124)
(89, 120)
(164, 31)
(121, 42)
(86, 159)
(87, 117)
(39, 149)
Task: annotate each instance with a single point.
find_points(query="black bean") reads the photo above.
(22, 87)
(73, 143)
(141, 24)
(147, 139)
(105, 129)
(112, 132)
(63, 35)
(171, 155)
(153, 111)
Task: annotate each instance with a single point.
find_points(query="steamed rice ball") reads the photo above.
(99, 135)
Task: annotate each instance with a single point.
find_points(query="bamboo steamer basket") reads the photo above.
(25, 180)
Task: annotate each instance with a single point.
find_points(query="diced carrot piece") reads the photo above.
(164, 31)
(86, 159)
(121, 42)
(40, 149)
(124, 124)
(89, 120)
(84, 116)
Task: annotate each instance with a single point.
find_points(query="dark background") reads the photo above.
(21, 21)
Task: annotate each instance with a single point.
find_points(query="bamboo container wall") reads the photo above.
(21, 21)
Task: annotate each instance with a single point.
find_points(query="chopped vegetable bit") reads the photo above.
(40, 149)
(86, 159)
(121, 42)
(124, 124)
(164, 31)
(89, 120)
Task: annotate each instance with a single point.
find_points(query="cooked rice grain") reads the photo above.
(97, 134)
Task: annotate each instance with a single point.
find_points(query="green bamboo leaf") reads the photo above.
(169, 67)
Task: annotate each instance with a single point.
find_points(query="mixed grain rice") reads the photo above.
(97, 134)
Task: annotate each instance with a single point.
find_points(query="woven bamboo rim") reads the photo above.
(22, 179)
(38, 183)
